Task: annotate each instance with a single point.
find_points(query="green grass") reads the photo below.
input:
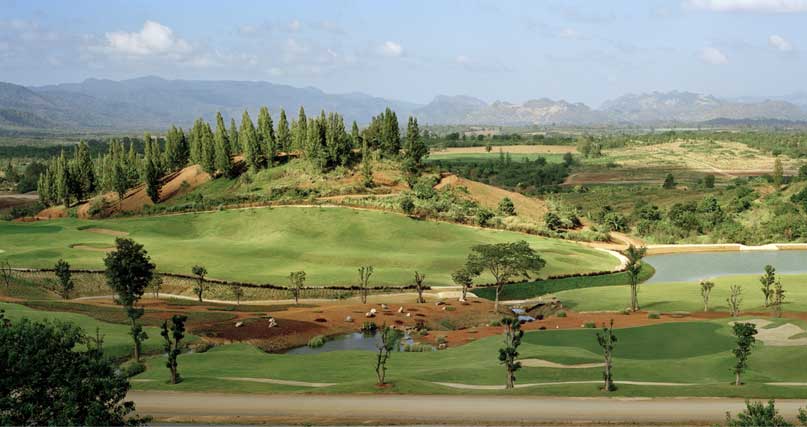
(117, 341)
(264, 245)
(693, 352)
(542, 287)
(493, 155)
(667, 297)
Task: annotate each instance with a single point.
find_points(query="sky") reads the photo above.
(581, 51)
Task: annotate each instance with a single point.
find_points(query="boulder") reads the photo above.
(400, 309)
(439, 303)
(384, 307)
(239, 324)
(348, 319)
(369, 314)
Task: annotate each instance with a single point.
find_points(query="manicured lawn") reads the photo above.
(264, 245)
(686, 296)
(693, 352)
(117, 341)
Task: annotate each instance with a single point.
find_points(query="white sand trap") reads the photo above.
(279, 382)
(540, 363)
(106, 231)
(778, 336)
(501, 387)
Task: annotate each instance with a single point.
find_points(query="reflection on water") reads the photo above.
(692, 267)
(354, 341)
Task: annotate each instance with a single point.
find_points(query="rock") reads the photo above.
(348, 319)
(384, 307)
(400, 309)
(439, 303)
(239, 324)
(272, 322)
(369, 314)
(373, 311)
(408, 314)
(442, 346)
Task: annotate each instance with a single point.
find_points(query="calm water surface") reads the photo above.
(693, 267)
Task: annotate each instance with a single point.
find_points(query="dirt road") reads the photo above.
(408, 409)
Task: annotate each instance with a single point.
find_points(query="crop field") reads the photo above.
(264, 245)
(700, 349)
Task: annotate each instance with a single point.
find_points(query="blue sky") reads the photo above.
(585, 51)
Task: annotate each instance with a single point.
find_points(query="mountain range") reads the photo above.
(155, 103)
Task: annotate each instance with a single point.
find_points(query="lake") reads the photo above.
(693, 267)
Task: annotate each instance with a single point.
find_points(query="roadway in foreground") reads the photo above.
(436, 409)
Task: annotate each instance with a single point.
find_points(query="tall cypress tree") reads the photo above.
(208, 153)
(83, 172)
(390, 134)
(235, 147)
(223, 162)
(300, 137)
(283, 134)
(176, 153)
(62, 180)
(415, 148)
(248, 138)
(266, 135)
(337, 142)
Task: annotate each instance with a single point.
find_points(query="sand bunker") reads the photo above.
(92, 248)
(540, 363)
(779, 336)
(107, 232)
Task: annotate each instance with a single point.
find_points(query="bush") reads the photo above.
(407, 205)
(134, 368)
(561, 314)
(201, 346)
(317, 341)
(506, 207)
(653, 315)
(449, 308)
(495, 323)
(369, 327)
(417, 348)
(627, 311)
(442, 339)
(589, 325)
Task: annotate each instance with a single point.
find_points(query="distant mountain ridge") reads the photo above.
(155, 103)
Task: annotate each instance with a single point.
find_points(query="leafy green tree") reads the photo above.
(62, 180)
(83, 172)
(706, 291)
(266, 135)
(128, 272)
(415, 149)
(568, 159)
(200, 272)
(709, 181)
(119, 181)
(508, 355)
(390, 134)
(389, 340)
(283, 133)
(757, 415)
(607, 340)
(53, 374)
(506, 207)
(235, 145)
(669, 182)
(152, 179)
(223, 160)
(552, 221)
(173, 335)
(407, 205)
(734, 300)
(297, 280)
(176, 151)
(338, 146)
(633, 268)
(778, 299)
(767, 280)
(778, 173)
(744, 332)
(248, 138)
(465, 278)
(208, 149)
(365, 272)
(366, 161)
(300, 131)
(63, 275)
(505, 261)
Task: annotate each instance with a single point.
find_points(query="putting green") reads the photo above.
(264, 245)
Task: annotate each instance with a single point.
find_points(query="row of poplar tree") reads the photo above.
(321, 140)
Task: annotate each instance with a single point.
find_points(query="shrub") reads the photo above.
(201, 346)
(449, 308)
(448, 325)
(407, 205)
(369, 327)
(134, 368)
(417, 348)
(561, 314)
(653, 315)
(442, 339)
(495, 323)
(506, 207)
(317, 341)
(626, 311)
(589, 325)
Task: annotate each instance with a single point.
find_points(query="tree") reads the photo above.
(744, 332)
(778, 173)
(758, 415)
(365, 272)
(266, 135)
(152, 181)
(767, 280)
(706, 291)
(249, 143)
(505, 261)
(300, 131)
(778, 299)
(176, 153)
(553, 221)
(156, 285)
(223, 157)
(5, 273)
(128, 272)
(53, 374)
(568, 159)
(62, 180)
(208, 148)
(120, 181)
(64, 277)
(709, 181)
(734, 300)
(407, 205)
(83, 172)
(238, 292)
(419, 278)
(465, 278)
(235, 146)
(366, 161)
(297, 279)
(633, 268)
(389, 340)
(606, 339)
(508, 355)
(200, 272)
(390, 138)
(283, 133)
(669, 181)
(172, 343)
(506, 207)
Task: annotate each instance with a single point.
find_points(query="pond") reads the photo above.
(693, 267)
(354, 341)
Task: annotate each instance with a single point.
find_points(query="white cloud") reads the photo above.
(569, 33)
(463, 60)
(392, 49)
(758, 6)
(779, 43)
(153, 39)
(711, 55)
(294, 25)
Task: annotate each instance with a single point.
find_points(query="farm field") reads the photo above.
(700, 349)
(264, 245)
